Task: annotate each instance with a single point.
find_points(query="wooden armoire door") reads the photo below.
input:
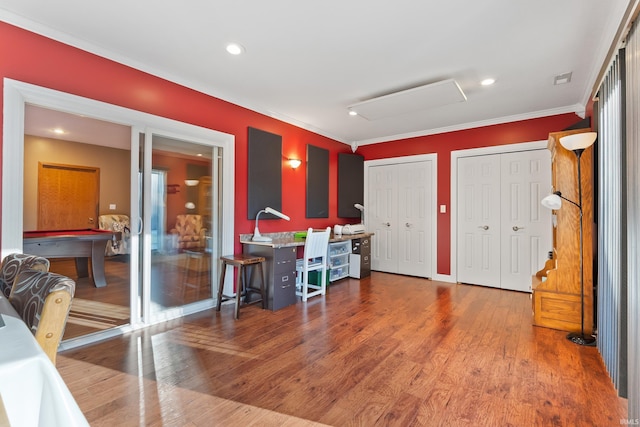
(68, 196)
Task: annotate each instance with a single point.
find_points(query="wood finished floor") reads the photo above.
(387, 350)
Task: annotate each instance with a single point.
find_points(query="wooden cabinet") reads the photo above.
(556, 288)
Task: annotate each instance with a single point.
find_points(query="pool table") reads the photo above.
(79, 244)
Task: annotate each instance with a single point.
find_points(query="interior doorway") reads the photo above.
(501, 232)
(121, 305)
(68, 196)
(400, 203)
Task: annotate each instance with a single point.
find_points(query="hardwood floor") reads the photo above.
(386, 350)
(96, 309)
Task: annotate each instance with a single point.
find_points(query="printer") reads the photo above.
(353, 229)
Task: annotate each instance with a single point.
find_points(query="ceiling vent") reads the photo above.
(412, 100)
(562, 79)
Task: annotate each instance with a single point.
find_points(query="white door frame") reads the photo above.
(455, 155)
(17, 94)
(434, 194)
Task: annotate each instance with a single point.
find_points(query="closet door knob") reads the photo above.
(516, 228)
(484, 227)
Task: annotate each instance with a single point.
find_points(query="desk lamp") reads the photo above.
(257, 237)
(361, 209)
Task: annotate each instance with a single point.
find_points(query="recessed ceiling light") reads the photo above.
(58, 131)
(235, 48)
(487, 82)
(353, 113)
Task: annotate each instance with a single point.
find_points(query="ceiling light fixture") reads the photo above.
(58, 131)
(353, 113)
(488, 82)
(235, 49)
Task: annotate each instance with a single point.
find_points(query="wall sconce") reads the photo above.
(191, 182)
(294, 163)
(190, 205)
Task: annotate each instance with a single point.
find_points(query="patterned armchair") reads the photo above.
(43, 300)
(13, 264)
(190, 232)
(119, 223)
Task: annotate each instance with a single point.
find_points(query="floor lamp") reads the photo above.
(577, 143)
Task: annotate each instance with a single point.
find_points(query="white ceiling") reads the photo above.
(307, 62)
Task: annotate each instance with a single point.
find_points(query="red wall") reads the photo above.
(443, 144)
(34, 59)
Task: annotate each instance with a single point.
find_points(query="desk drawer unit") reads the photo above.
(360, 258)
(280, 272)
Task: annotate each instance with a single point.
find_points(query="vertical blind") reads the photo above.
(632, 78)
(611, 314)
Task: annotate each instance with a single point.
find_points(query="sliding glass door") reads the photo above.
(169, 178)
(180, 236)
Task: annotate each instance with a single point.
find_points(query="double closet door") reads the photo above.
(504, 234)
(400, 211)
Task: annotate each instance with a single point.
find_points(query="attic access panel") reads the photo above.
(412, 100)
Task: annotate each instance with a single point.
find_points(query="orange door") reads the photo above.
(68, 196)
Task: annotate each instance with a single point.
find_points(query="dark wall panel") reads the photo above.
(317, 182)
(350, 184)
(265, 173)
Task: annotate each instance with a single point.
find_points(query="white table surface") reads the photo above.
(32, 391)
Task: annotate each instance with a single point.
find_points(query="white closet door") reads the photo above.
(415, 218)
(383, 211)
(479, 204)
(526, 225)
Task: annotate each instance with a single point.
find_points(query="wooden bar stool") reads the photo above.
(196, 264)
(243, 286)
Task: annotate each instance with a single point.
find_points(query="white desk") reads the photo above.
(32, 391)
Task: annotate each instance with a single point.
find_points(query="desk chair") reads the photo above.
(314, 259)
(13, 264)
(43, 301)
